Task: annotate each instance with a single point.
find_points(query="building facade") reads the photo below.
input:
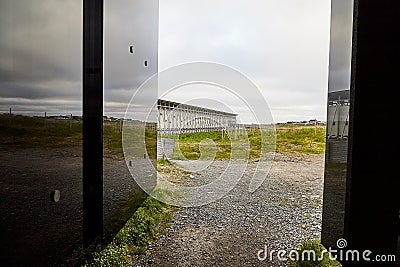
(337, 127)
(177, 118)
(338, 114)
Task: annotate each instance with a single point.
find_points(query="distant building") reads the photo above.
(106, 118)
(337, 128)
(59, 117)
(338, 114)
(315, 122)
(65, 117)
(177, 118)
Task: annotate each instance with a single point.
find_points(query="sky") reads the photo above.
(282, 47)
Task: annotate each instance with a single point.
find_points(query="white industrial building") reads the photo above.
(337, 126)
(177, 118)
(338, 114)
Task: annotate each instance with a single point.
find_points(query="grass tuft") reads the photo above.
(321, 259)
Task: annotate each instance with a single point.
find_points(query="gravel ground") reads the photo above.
(282, 213)
(37, 232)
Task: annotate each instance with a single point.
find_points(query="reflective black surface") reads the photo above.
(40, 132)
(337, 128)
(361, 200)
(41, 124)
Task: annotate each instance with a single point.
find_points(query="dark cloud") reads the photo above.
(41, 53)
(44, 90)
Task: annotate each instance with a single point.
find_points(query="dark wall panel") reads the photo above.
(40, 132)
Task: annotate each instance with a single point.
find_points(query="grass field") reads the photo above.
(301, 139)
(28, 132)
(293, 139)
(152, 218)
(24, 132)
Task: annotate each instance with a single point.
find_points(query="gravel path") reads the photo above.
(282, 213)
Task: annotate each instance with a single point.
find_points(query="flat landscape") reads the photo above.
(39, 155)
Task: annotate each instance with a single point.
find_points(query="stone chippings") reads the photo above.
(281, 214)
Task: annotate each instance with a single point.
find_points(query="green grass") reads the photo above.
(300, 139)
(320, 260)
(150, 139)
(293, 139)
(146, 225)
(112, 139)
(26, 132)
(188, 145)
(163, 163)
(18, 131)
(118, 217)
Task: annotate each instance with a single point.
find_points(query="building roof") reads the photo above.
(166, 103)
(339, 95)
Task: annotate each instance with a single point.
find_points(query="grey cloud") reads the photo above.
(40, 55)
(130, 23)
(50, 90)
(39, 106)
(41, 52)
(340, 45)
(281, 45)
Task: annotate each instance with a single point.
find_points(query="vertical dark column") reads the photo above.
(373, 198)
(92, 120)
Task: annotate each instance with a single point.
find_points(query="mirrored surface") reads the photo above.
(130, 58)
(40, 132)
(337, 127)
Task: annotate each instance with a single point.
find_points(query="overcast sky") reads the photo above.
(281, 46)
